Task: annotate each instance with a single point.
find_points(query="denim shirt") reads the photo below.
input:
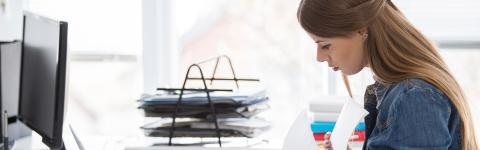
(412, 114)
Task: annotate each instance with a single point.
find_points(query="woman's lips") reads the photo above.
(335, 68)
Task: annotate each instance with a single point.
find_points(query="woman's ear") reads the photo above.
(362, 31)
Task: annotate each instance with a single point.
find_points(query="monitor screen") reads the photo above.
(42, 82)
(1, 100)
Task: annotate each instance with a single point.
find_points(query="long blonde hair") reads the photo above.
(395, 50)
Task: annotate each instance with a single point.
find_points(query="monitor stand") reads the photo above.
(10, 145)
(63, 146)
(72, 141)
(7, 144)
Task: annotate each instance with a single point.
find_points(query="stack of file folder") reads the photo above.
(325, 113)
(320, 128)
(206, 112)
(235, 113)
(229, 127)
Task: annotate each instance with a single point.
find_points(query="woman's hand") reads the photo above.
(327, 144)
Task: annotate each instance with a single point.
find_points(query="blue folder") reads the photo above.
(328, 126)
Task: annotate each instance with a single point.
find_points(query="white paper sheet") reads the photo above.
(300, 135)
(350, 116)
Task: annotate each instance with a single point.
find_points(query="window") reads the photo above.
(105, 71)
(263, 38)
(265, 41)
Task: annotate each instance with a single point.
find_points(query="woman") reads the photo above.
(415, 102)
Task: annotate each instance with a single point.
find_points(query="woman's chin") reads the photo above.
(345, 73)
(350, 72)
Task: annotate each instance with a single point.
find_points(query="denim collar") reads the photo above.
(379, 89)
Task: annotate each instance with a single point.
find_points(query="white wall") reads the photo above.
(11, 20)
(160, 46)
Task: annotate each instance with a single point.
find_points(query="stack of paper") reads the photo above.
(351, 114)
(326, 111)
(235, 112)
(299, 137)
(231, 127)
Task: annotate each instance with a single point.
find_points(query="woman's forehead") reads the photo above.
(318, 38)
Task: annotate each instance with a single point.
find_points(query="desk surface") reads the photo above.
(34, 142)
(190, 148)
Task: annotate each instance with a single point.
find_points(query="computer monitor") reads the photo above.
(1, 101)
(10, 59)
(42, 77)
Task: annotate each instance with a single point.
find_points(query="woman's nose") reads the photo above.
(321, 57)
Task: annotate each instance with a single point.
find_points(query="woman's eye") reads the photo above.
(325, 47)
